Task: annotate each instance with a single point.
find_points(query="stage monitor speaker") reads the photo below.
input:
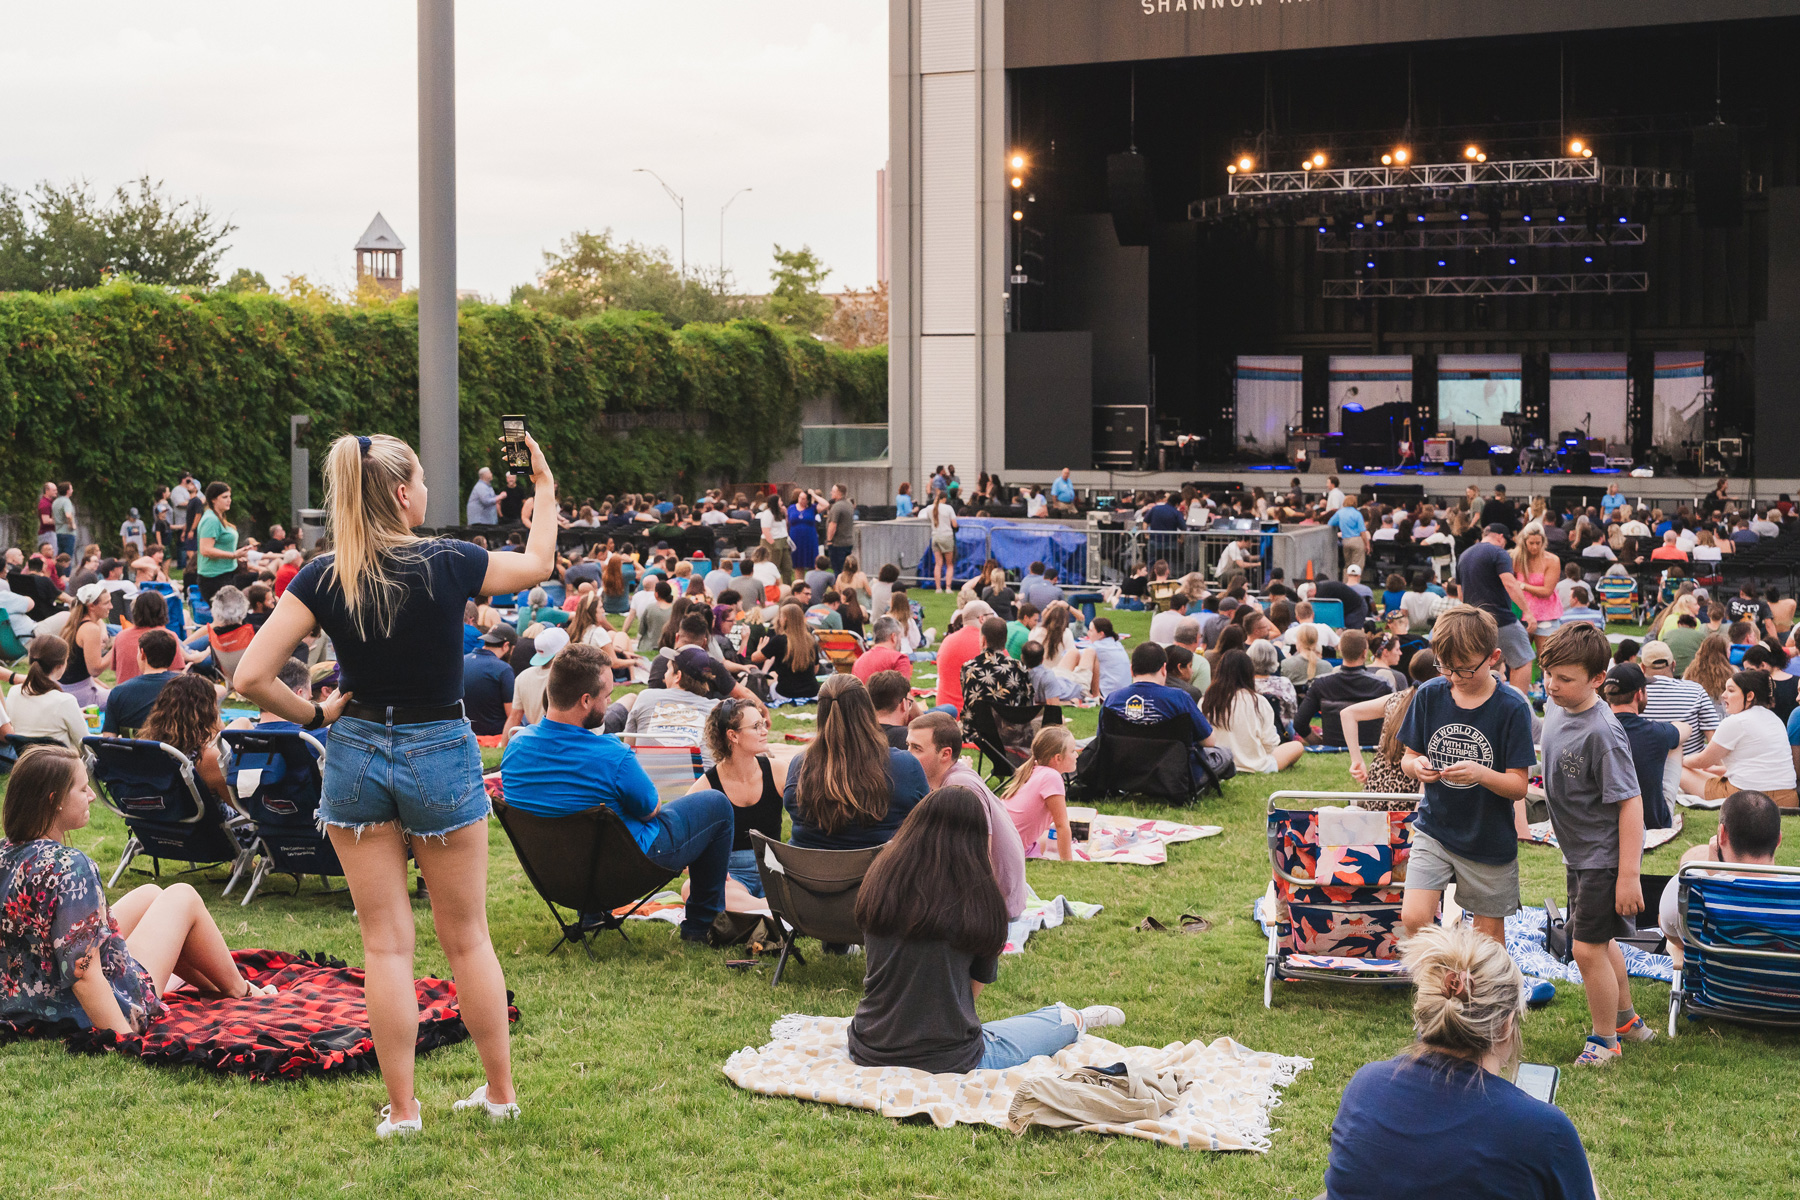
(1128, 195)
(1718, 177)
(1323, 466)
(1476, 466)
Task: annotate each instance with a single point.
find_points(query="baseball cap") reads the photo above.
(548, 643)
(1353, 569)
(1624, 680)
(500, 635)
(1498, 528)
(694, 662)
(1655, 654)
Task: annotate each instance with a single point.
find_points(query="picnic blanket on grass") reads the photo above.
(1133, 841)
(1543, 835)
(314, 1025)
(1039, 914)
(1225, 1107)
(1525, 942)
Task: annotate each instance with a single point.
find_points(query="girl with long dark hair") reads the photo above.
(849, 788)
(793, 654)
(220, 556)
(934, 923)
(404, 766)
(1243, 719)
(186, 716)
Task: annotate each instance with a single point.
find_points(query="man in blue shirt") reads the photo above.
(488, 682)
(1353, 534)
(130, 702)
(1062, 492)
(1149, 699)
(484, 505)
(562, 766)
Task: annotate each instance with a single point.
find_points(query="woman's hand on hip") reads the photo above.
(334, 707)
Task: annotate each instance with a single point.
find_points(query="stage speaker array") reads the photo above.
(1718, 177)
(1128, 195)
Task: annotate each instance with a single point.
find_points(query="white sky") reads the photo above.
(299, 122)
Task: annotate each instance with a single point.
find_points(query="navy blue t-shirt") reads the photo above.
(487, 690)
(1163, 518)
(420, 664)
(1471, 821)
(906, 779)
(1651, 742)
(130, 702)
(1479, 570)
(1432, 1126)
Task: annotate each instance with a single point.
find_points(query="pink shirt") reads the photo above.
(957, 650)
(1027, 808)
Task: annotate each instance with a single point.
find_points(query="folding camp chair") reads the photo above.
(1157, 759)
(16, 744)
(1329, 613)
(1739, 928)
(838, 649)
(811, 893)
(1002, 735)
(1163, 593)
(1618, 599)
(278, 778)
(672, 769)
(153, 787)
(588, 862)
(1336, 921)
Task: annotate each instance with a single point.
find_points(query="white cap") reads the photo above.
(549, 643)
(89, 592)
(1353, 569)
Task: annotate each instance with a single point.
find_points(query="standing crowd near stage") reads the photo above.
(566, 659)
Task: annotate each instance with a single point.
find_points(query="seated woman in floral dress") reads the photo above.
(64, 955)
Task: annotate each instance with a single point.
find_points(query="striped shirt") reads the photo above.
(1669, 699)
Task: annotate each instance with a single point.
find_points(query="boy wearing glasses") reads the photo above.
(1468, 741)
(1597, 808)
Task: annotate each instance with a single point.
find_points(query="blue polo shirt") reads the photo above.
(1348, 522)
(487, 690)
(1062, 491)
(555, 769)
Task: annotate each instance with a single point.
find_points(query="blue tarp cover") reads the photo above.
(1015, 545)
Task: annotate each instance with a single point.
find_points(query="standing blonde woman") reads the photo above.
(1537, 571)
(404, 763)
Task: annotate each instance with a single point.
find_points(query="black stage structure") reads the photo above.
(1217, 190)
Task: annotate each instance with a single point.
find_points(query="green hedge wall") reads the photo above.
(118, 388)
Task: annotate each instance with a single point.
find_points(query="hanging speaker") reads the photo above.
(1128, 193)
(1718, 177)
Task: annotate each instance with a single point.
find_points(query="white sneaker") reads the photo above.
(1099, 1016)
(389, 1128)
(478, 1099)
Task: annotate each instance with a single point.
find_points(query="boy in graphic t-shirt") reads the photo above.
(1468, 740)
(1597, 809)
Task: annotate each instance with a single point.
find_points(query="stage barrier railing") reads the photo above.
(1301, 552)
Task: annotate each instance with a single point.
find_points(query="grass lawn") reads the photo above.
(618, 1061)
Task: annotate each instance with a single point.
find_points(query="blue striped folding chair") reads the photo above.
(1739, 928)
(672, 769)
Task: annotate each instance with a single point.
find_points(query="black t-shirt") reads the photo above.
(1137, 585)
(1356, 609)
(795, 685)
(1499, 512)
(763, 817)
(1749, 609)
(39, 590)
(1479, 570)
(918, 1009)
(195, 510)
(511, 503)
(420, 664)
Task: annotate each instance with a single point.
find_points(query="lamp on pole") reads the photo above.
(438, 389)
(722, 209)
(679, 203)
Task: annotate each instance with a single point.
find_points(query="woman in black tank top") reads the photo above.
(737, 733)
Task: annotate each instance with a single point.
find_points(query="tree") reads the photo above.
(859, 319)
(245, 280)
(796, 301)
(60, 238)
(592, 273)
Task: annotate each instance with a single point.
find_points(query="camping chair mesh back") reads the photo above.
(1003, 734)
(1154, 759)
(17, 744)
(812, 893)
(588, 862)
(153, 787)
(1346, 927)
(1618, 598)
(840, 648)
(1329, 613)
(278, 778)
(1740, 935)
(672, 769)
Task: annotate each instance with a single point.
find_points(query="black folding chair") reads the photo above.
(811, 893)
(1002, 734)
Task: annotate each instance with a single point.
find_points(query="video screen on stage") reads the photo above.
(1478, 401)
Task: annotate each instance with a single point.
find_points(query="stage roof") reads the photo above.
(1042, 33)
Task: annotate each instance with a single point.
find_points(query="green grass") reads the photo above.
(618, 1063)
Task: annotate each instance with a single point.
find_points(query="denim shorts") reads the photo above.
(742, 867)
(427, 777)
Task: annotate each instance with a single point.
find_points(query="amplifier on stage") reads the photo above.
(1439, 450)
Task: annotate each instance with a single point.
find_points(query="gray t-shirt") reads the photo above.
(1587, 771)
(918, 1009)
(818, 581)
(1047, 685)
(651, 625)
(845, 517)
(674, 717)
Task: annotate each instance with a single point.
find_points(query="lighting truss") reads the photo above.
(1606, 284)
(1478, 236)
(1253, 193)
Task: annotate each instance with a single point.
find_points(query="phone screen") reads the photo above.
(512, 442)
(513, 428)
(1539, 1080)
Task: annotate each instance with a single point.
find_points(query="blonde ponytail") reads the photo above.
(369, 529)
(1051, 743)
(1468, 993)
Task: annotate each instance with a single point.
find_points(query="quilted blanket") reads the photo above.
(1133, 841)
(1226, 1107)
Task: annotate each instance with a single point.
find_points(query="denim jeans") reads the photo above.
(838, 554)
(696, 832)
(1017, 1040)
(65, 544)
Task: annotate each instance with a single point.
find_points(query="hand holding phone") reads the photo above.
(513, 450)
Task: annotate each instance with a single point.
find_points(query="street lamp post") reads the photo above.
(722, 209)
(680, 204)
(438, 388)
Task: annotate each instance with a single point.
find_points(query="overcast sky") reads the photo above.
(299, 122)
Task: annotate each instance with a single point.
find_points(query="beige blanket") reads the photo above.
(1224, 1107)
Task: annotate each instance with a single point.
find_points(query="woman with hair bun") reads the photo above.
(404, 765)
(1441, 1118)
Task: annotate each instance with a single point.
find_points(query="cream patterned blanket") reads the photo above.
(1226, 1107)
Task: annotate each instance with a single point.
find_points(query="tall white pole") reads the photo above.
(722, 209)
(438, 388)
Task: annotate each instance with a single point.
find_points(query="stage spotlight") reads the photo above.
(1576, 146)
(1588, 259)
(1246, 163)
(1400, 155)
(1318, 160)
(1441, 262)
(1359, 224)
(1387, 160)
(1232, 169)
(1017, 182)
(1562, 215)
(1471, 152)
(1018, 162)
(1513, 262)
(1525, 217)
(1018, 216)
(1481, 158)
(1465, 216)
(1370, 265)
(1421, 216)
(1307, 165)
(1587, 154)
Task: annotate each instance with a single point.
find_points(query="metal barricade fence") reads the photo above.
(1301, 551)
